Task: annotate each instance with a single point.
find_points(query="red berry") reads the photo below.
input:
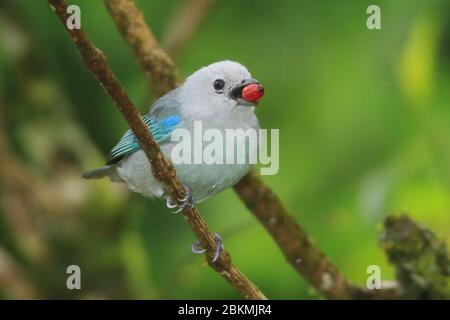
(253, 92)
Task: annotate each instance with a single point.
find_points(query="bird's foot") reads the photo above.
(179, 205)
(196, 248)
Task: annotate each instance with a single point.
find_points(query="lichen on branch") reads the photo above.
(421, 259)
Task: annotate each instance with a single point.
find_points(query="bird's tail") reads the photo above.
(106, 171)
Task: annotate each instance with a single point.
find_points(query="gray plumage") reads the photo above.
(196, 100)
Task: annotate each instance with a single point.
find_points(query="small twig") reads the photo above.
(184, 22)
(163, 170)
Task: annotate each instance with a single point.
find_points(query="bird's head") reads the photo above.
(224, 85)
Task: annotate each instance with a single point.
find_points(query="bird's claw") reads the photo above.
(197, 249)
(180, 204)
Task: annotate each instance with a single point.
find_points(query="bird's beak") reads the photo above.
(248, 92)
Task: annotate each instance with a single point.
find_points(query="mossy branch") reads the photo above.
(421, 260)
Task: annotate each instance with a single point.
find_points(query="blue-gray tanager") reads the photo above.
(221, 96)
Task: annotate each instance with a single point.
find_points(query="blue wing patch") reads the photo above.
(129, 144)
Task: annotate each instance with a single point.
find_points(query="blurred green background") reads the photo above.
(364, 119)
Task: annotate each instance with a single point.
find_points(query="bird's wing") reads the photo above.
(167, 105)
(162, 120)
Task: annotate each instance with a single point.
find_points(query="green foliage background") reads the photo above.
(364, 119)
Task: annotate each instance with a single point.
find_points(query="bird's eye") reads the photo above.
(219, 84)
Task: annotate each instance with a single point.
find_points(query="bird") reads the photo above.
(221, 96)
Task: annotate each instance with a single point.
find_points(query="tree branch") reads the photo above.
(298, 248)
(159, 68)
(163, 170)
